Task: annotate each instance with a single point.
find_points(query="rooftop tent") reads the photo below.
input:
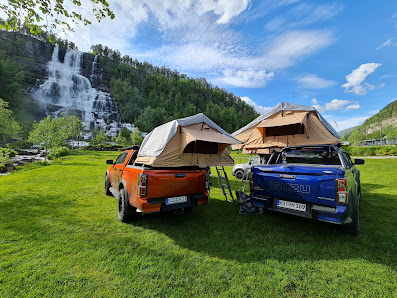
(191, 141)
(285, 125)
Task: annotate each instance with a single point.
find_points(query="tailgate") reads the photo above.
(306, 184)
(172, 183)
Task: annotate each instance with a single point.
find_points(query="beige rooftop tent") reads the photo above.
(191, 141)
(285, 125)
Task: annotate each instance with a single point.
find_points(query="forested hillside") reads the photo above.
(344, 134)
(149, 96)
(382, 124)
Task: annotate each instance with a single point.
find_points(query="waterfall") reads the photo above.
(66, 90)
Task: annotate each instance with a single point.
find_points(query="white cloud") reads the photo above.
(304, 14)
(166, 16)
(276, 23)
(290, 47)
(352, 107)
(220, 53)
(358, 75)
(314, 101)
(226, 9)
(335, 104)
(312, 81)
(370, 86)
(385, 44)
(258, 108)
(247, 79)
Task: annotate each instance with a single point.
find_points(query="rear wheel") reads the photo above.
(239, 174)
(125, 211)
(353, 228)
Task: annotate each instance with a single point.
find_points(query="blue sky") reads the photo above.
(339, 56)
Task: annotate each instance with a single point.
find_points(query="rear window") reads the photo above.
(310, 156)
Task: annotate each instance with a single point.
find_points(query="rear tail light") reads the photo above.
(251, 180)
(341, 183)
(142, 185)
(341, 194)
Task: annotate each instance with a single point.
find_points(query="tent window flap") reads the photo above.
(291, 129)
(202, 147)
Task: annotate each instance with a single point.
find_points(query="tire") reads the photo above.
(353, 228)
(125, 211)
(239, 174)
(107, 186)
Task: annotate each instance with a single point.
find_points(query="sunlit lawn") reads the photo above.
(59, 235)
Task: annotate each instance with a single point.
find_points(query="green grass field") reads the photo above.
(59, 236)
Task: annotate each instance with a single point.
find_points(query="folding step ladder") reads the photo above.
(224, 183)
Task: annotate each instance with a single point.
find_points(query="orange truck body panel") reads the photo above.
(161, 184)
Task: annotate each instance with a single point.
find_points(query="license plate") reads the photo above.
(176, 200)
(291, 205)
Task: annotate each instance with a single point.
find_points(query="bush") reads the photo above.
(2, 168)
(59, 152)
(21, 145)
(7, 151)
(370, 150)
(104, 147)
(5, 154)
(348, 149)
(393, 151)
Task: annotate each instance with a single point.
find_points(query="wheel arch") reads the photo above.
(123, 185)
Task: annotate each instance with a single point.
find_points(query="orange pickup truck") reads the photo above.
(143, 189)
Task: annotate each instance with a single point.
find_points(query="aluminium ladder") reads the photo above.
(224, 183)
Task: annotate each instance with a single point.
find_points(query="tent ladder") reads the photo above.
(224, 183)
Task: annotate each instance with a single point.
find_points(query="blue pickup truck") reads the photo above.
(319, 182)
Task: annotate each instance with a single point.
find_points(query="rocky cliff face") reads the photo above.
(378, 126)
(33, 56)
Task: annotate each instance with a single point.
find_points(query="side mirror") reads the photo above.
(358, 161)
(109, 161)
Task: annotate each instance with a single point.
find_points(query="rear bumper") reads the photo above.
(336, 215)
(159, 204)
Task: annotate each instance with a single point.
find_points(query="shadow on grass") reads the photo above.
(218, 230)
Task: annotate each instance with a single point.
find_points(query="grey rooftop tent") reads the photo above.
(287, 124)
(191, 141)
